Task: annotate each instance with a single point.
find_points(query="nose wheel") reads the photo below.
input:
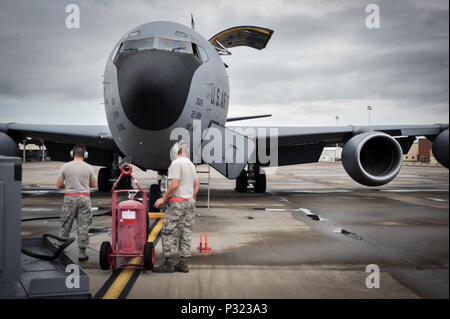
(103, 182)
(155, 193)
(106, 179)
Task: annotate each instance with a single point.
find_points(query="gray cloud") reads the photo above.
(321, 60)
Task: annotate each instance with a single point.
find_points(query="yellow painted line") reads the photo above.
(155, 231)
(238, 29)
(121, 281)
(156, 215)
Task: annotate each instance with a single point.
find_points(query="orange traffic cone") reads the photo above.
(206, 248)
(200, 248)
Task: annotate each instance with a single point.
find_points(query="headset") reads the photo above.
(85, 153)
(176, 149)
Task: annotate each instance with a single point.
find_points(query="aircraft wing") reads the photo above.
(299, 145)
(59, 139)
(249, 117)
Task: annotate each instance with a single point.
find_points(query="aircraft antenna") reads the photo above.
(192, 22)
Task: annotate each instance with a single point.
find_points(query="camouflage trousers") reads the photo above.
(177, 228)
(76, 208)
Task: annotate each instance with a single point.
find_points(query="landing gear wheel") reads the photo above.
(155, 193)
(242, 182)
(105, 255)
(104, 184)
(125, 182)
(260, 184)
(149, 256)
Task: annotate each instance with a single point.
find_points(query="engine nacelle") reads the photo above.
(372, 158)
(440, 148)
(7, 146)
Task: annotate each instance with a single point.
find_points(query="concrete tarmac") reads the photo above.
(312, 235)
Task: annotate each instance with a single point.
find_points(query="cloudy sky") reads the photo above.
(322, 60)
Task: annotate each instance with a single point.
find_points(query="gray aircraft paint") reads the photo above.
(150, 148)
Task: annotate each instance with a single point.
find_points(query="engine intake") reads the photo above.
(440, 148)
(372, 158)
(7, 146)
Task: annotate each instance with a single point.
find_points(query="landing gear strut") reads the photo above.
(251, 177)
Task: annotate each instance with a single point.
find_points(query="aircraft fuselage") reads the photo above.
(158, 77)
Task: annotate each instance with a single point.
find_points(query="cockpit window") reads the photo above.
(133, 34)
(175, 45)
(181, 34)
(199, 52)
(203, 54)
(137, 45)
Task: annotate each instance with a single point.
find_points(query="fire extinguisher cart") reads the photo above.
(129, 230)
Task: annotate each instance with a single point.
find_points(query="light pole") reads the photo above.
(43, 151)
(369, 108)
(337, 124)
(24, 152)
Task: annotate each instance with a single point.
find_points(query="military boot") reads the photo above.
(83, 256)
(182, 266)
(166, 266)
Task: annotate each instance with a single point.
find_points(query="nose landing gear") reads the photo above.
(107, 177)
(156, 190)
(155, 193)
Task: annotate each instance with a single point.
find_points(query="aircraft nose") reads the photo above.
(154, 85)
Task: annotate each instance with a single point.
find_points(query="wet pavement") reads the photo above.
(310, 236)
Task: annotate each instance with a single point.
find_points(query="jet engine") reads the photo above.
(440, 148)
(372, 158)
(7, 146)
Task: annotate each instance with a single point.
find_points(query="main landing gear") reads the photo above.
(252, 176)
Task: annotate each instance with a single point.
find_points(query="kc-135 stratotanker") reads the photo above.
(163, 75)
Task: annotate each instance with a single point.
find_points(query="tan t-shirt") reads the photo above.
(76, 176)
(184, 170)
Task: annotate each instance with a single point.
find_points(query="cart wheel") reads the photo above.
(105, 255)
(149, 256)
